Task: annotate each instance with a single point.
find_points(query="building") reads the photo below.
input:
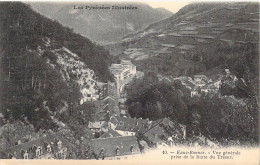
(121, 147)
(124, 112)
(200, 80)
(227, 71)
(109, 134)
(109, 101)
(195, 92)
(118, 71)
(123, 109)
(128, 126)
(123, 74)
(230, 80)
(107, 105)
(165, 131)
(131, 68)
(15, 133)
(99, 122)
(87, 96)
(97, 126)
(47, 147)
(110, 105)
(202, 141)
(123, 70)
(108, 90)
(210, 88)
(90, 92)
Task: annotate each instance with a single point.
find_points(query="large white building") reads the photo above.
(123, 73)
(129, 67)
(123, 70)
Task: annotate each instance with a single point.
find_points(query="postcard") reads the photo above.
(137, 82)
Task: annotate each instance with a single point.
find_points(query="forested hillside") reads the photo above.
(224, 116)
(44, 66)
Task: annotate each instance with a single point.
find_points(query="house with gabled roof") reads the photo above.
(47, 147)
(200, 80)
(128, 126)
(121, 147)
(202, 140)
(164, 131)
(108, 89)
(106, 105)
(99, 122)
(107, 108)
(110, 133)
(109, 101)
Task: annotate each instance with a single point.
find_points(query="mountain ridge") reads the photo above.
(91, 23)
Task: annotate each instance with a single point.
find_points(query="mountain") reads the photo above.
(200, 36)
(46, 69)
(164, 11)
(102, 25)
(201, 39)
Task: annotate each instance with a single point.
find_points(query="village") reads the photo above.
(115, 134)
(200, 84)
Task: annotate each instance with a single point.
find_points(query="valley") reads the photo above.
(157, 79)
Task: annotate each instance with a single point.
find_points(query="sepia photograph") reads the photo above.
(173, 81)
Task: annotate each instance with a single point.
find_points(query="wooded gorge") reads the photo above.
(31, 89)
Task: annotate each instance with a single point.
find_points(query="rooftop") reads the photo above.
(109, 134)
(117, 72)
(107, 147)
(126, 62)
(209, 86)
(116, 66)
(200, 76)
(102, 116)
(162, 129)
(18, 150)
(109, 90)
(131, 124)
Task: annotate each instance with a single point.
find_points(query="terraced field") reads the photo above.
(192, 32)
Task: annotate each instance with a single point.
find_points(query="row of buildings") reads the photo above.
(48, 147)
(129, 137)
(202, 85)
(109, 102)
(124, 138)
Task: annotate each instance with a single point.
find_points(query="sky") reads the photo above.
(173, 6)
